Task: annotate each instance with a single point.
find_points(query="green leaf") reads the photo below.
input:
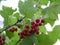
(0, 29)
(44, 39)
(57, 1)
(51, 21)
(6, 21)
(38, 13)
(13, 39)
(27, 8)
(12, 20)
(58, 9)
(17, 15)
(51, 12)
(29, 40)
(6, 11)
(44, 2)
(42, 29)
(5, 44)
(9, 34)
(52, 36)
(13, 42)
(55, 34)
(16, 36)
(27, 21)
(36, 0)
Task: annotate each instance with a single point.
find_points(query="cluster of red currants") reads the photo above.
(33, 29)
(2, 40)
(15, 29)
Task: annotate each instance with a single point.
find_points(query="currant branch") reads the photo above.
(7, 27)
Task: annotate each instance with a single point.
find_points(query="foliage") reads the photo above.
(31, 10)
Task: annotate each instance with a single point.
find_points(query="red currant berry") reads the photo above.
(33, 31)
(36, 24)
(12, 30)
(2, 40)
(27, 26)
(40, 24)
(25, 30)
(36, 29)
(42, 21)
(21, 34)
(37, 32)
(33, 26)
(33, 23)
(28, 33)
(37, 20)
(16, 29)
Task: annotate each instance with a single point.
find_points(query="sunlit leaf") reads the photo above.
(27, 8)
(55, 34)
(44, 39)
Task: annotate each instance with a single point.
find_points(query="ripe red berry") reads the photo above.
(40, 24)
(37, 32)
(13, 29)
(27, 26)
(2, 40)
(28, 33)
(33, 26)
(25, 30)
(37, 24)
(21, 35)
(16, 29)
(32, 23)
(42, 21)
(37, 20)
(36, 29)
(33, 31)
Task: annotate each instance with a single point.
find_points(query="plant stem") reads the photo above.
(7, 27)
